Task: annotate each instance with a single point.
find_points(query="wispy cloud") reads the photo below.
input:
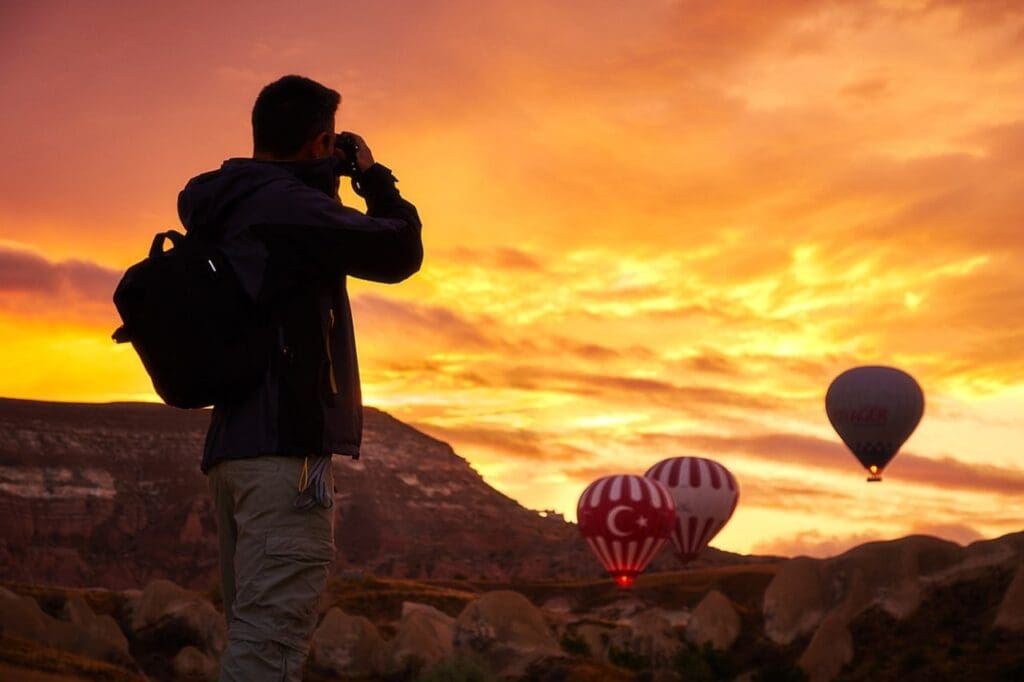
(519, 443)
(34, 286)
(821, 545)
(831, 455)
(390, 316)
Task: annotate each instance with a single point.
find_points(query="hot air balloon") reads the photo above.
(625, 519)
(874, 410)
(705, 495)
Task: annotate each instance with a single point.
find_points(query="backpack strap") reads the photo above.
(157, 248)
(121, 335)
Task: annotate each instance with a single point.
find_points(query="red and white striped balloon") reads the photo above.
(705, 495)
(626, 519)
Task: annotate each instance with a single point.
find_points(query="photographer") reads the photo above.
(291, 243)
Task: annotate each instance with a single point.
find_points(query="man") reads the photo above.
(267, 455)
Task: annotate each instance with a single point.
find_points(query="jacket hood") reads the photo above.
(209, 199)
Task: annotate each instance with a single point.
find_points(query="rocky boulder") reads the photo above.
(101, 636)
(424, 637)
(1010, 614)
(830, 649)
(795, 600)
(347, 645)
(192, 664)
(714, 621)
(168, 612)
(591, 638)
(648, 637)
(88, 635)
(23, 617)
(892, 575)
(505, 629)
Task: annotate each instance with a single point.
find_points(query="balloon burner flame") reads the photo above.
(876, 474)
(623, 580)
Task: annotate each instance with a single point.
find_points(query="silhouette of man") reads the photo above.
(268, 452)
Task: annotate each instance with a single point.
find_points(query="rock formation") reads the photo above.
(1011, 609)
(424, 637)
(714, 622)
(648, 636)
(107, 640)
(86, 634)
(168, 612)
(347, 645)
(508, 631)
(112, 496)
(820, 598)
(830, 649)
(192, 664)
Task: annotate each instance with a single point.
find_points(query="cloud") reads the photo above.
(594, 352)
(389, 316)
(24, 271)
(27, 272)
(794, 449)
(504, 257)
(867, 89)
(957, 532)
(690, 398)
(789, 494)
(519, 443)
(56, 295)
(979, 13)
(822, 545)
(813, 544)
(587, 473)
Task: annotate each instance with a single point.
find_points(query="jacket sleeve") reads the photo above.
(399, 254)
(329, 240)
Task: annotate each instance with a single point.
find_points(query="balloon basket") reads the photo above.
(874, 479)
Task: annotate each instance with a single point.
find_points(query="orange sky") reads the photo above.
(652, 229)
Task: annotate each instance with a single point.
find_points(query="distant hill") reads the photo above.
(111, 496)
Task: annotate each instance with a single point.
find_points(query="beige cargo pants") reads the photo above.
(274, 562)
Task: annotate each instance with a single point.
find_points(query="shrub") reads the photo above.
(574, 645)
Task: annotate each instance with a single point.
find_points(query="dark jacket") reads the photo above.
(292, 244)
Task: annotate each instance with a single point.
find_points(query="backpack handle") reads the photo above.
(176, 239)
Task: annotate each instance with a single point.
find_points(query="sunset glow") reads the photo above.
(652, 229)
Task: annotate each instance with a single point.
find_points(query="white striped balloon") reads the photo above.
(705, 495)
(625, 519)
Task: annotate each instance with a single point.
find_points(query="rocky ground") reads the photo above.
(107, 572)
(918, 608)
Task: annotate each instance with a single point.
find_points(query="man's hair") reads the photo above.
(289, 112)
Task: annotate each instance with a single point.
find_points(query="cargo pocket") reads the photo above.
(296, 571)
(299, 548)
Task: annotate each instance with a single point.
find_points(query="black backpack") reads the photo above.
(199, 335)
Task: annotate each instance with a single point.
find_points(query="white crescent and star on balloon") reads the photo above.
(613, 526)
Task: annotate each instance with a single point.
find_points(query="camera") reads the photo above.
(347, 143)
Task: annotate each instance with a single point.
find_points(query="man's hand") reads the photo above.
(364, 157)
